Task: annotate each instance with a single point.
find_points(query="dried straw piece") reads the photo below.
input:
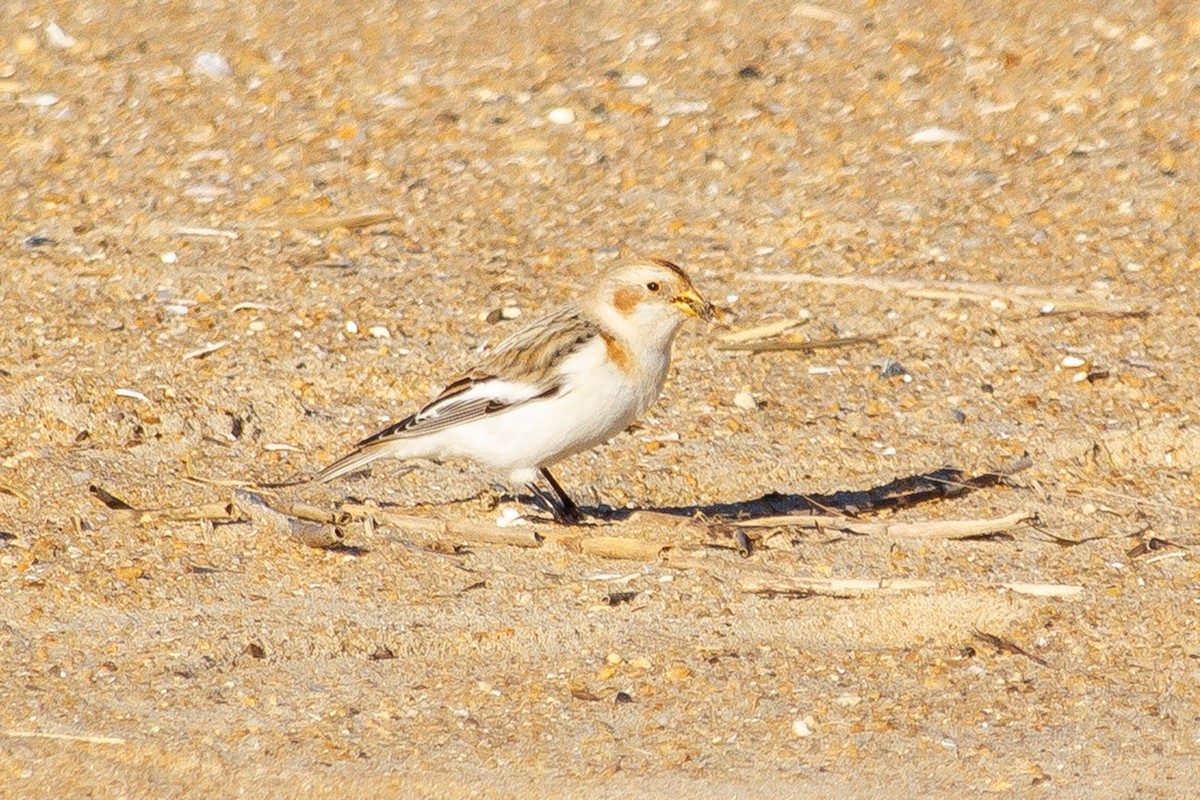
(1064, 590)
(64, 737)
(937, 529)
(833, 587)
(767, 331)
(820, 344)
(351, 222)
(614, 547)
(469, 531)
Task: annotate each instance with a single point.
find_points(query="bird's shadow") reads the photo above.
(903, 492)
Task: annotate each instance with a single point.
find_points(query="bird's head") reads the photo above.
(649, 298)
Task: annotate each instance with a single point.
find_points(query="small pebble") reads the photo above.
(379, 332)
(1143, 42)
(744, 400)
(258, 326)
(351, 326)
(1072, 362)
(686, 107)
(169, 257)
(801, 727)
(561, 116)
(211, 65)
(891, 368)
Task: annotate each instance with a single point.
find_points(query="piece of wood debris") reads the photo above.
(982, 292)
(767, 331)
(251, 306)
(1104, 313)
(1064, 590)
(1165, 556)
(65, 737)
(478, 532)
(647, 517)
(783, 347)
(187, 230)
(264, 517)
(613, 547)
(833, 587)
(12, 491)
(936, 529)
(351, 222)
(1005, 646)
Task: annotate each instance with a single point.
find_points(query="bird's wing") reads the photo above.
(524, 367)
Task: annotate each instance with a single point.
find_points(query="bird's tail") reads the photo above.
(355, 460)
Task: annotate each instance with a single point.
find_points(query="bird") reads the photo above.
(563, 384)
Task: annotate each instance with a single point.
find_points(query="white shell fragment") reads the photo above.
(379, 332)
(561, 116)
(935, 135)
(212, 65)
(510, 516)
(57, 38)
(133, 394)
(206, 350)
(1072, 362)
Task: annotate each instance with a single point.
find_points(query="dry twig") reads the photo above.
(1005, 646)
(937, 529)
(470, 531)
(831, 587)
(64, 737)
(780, 347)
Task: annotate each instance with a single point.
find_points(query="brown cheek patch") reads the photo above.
(616, 352)
(625, 300)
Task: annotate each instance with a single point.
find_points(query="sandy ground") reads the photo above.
(1006, 191)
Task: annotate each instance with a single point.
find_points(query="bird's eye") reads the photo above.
(652, 286)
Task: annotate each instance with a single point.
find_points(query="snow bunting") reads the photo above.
(563, 384)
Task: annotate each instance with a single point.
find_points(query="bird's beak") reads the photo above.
(693, 304)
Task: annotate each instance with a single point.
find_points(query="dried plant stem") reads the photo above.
(938, 529)
(780, 347)
(65, 737)
(837, 587)
(469, 531)
(982, 292)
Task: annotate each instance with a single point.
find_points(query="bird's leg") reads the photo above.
(567, 512)
(549, 502)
